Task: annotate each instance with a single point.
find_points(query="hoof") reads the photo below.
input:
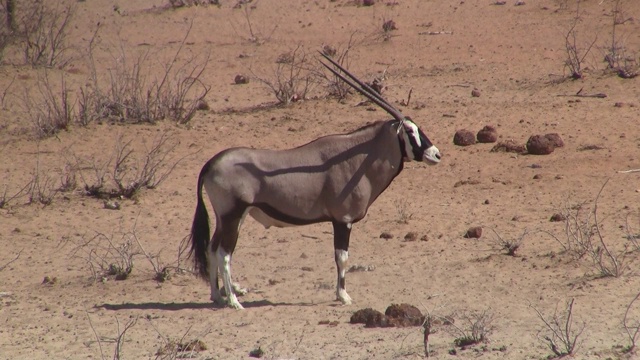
(235, 305)
(218, 300)
(237, 289)
(344, 298)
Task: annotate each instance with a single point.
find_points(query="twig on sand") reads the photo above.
(9, 263)
(436, 33)
(580, 94)
(628, 171)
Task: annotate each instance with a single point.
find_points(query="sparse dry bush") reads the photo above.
(119, 340)
(615, 53)
(126, 172)
(631, 327)
(6, 199)
(254, 35)
(39, 30)
(576, 54)
(108, 256)
(510, 246)
(475, 328)
(584, 237)
(559, 333)
(402, 208)
(294, 77)
(132, 95)
(336, 87)
(52, 110)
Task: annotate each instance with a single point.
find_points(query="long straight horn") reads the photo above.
(363, 88)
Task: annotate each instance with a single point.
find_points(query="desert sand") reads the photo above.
(56, 303)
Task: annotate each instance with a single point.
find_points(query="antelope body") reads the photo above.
(331, 179)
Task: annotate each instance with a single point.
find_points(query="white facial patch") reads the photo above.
(411, 137)
(432, 155)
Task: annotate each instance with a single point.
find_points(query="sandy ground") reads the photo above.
(513, 55)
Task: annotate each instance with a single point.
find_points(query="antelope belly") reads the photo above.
(266, 220)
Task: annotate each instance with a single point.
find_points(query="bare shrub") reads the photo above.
(616, 55)
(475, 329)
(108, 256)
(52, 110)
(293, 77)
(132, 95)
(126, 172)
(7, 25)
(510, 246)
(41, 29)
(631, 327)
(559, 333)
(584, 237)
(172, 348)
(633, 231)
(334, 85)
(6, 199)
(402, 208)
(576, 54)
(41, 188)
(161, 271)
(253, 34)
(119, 340)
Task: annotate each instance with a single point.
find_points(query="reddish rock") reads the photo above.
(488, 134)
(555, 139)
(475, 93)
(404, 315)
(539, 145)
(557, 217)
(241, 79)
(464, 138)
(473, 232)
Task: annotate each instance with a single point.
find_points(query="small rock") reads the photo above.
(537, 177)
(329, 50)
(411, 236)
(488, 134)
(557, 217)
(519, 3)
(475, 93)
(555, 139)
(202, 105)
(487, 202)
(49, 280)
(368, 2)
(424, 237)
(473, 232)
(111, 205)
(619, 104)
(464, 138)
(241, 79)
(386, 235)
(539, 145)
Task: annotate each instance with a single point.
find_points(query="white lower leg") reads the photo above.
(224, 261)
(213, 277)
(341, 261)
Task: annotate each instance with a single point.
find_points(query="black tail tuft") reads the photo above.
(200, 233)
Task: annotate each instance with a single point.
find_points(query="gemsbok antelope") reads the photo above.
(331, 179)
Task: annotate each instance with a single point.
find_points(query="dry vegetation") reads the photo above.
(103, 139)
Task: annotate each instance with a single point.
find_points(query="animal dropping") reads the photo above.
(331, 179)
